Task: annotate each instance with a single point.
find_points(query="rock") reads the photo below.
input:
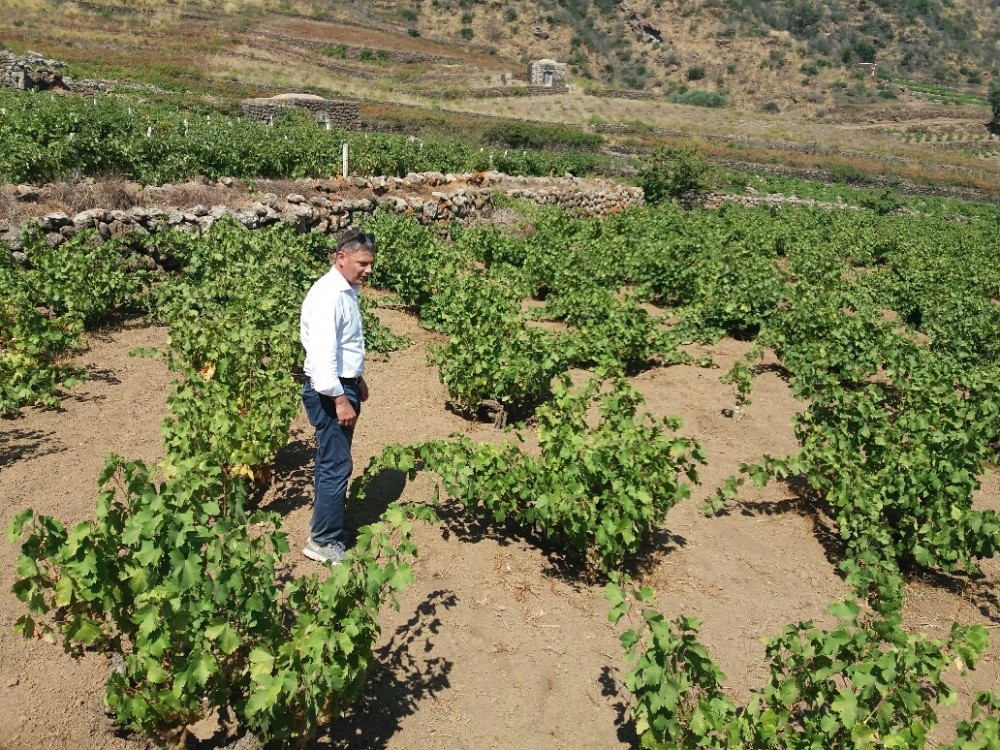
(295, 198)
(89, 218)
(52, 222)
(26, 193)
(248, 218)
(298, 215)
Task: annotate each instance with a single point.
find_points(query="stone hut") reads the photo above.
(342, 113)
(547, 73)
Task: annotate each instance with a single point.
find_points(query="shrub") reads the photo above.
(700, 98)
(696, 73)
(671, 173)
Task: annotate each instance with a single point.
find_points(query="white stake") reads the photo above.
(345, 161)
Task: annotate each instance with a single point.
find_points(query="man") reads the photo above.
(330, 328)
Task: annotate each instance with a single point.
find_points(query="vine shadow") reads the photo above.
(974, 588)
(17, 445)
(803, 501)
(472, 525)
(404, 675)
(610, 688)
(383, 490)
(292, 485)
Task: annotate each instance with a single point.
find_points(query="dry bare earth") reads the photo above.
(492, 646)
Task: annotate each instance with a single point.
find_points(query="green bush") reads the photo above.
(700, 98)
(671, 173)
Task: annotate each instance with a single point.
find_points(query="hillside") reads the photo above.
(787, 86)
(774, 56)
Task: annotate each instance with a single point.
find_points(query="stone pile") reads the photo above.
(32, 71)
(429, 197)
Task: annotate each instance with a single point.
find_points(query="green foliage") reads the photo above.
(700, 98)
(181, 581)
(179, 577)
(32, 347)
(81, 278)
(44, 307)
(994, 101)
(535, 135)
(864, 683)
(671, 173)
(597, 491)
(233, 328)
(982, 729)
(740, 376)
(491, 354)
(58, 137)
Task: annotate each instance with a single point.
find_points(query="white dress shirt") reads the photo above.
(330, 329)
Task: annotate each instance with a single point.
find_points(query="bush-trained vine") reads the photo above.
(179, 578)
(596, 491)
(864, 683)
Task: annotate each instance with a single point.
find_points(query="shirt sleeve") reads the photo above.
(323, 348)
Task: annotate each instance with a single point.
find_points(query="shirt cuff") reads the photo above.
(328, 388)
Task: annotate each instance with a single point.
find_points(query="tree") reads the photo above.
(994, 99)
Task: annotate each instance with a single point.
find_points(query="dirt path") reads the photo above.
(492, 647)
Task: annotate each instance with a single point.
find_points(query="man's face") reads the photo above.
(355, 267)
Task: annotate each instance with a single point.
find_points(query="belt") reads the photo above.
(350, 381)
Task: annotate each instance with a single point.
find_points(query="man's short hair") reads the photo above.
(354, 240)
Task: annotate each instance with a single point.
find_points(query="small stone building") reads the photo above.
(342, 113)
(547, 73)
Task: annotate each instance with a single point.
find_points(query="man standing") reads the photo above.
(330, 329)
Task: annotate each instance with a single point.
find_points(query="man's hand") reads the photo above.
(345, 412)
(363, 389)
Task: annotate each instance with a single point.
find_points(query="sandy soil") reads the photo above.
(492, 646)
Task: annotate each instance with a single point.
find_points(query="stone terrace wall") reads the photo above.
(623, 94)
(429, 197)
(489, 92)
(32, 71)
(342, 113)
(354, 52)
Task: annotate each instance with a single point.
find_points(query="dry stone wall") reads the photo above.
(429, 197)
(487, 92)
(623, 94)
(353, 52)
(32, 71)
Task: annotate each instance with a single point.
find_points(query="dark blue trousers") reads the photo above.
(333, 462)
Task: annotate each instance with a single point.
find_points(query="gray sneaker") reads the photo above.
(331, 553)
